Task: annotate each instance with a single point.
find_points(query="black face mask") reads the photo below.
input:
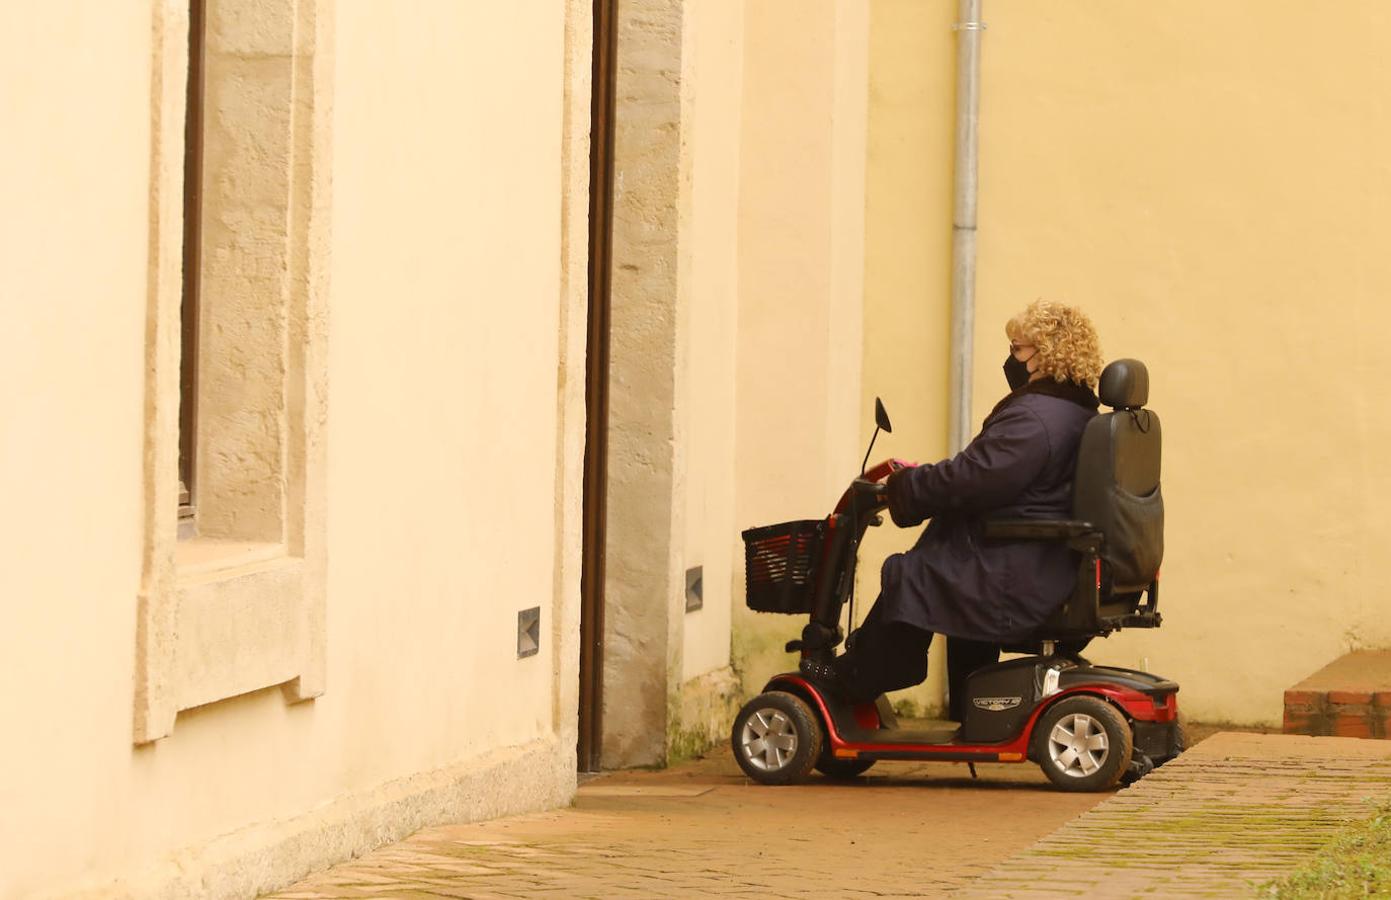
(1016, 372)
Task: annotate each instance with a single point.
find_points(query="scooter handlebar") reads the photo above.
(877, 490)
(871, 485)
(881, 471)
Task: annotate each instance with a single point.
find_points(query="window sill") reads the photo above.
(199, 559)
(188, 521)
(241, 615)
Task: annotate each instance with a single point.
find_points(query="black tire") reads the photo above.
(841, 769)
(789, 757)
(1092, 760)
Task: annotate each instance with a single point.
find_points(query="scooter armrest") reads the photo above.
(1037, 529)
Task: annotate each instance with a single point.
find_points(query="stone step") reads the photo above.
(1349, 697)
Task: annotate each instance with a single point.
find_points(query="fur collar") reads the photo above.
(1064, 390)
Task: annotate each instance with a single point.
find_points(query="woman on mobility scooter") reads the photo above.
(1047, 531)
(954, 582)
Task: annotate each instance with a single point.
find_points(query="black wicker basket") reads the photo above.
(780, 564)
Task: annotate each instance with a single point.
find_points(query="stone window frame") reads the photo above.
(240, 606)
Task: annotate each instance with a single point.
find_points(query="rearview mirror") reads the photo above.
(881, 416)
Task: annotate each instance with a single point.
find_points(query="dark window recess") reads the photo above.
(695, 588)
(601, 172)
(192, 260)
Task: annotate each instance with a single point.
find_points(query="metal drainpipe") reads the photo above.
(963, 237)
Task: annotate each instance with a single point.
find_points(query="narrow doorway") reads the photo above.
(597, 385)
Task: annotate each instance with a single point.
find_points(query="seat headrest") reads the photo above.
(1125, 384)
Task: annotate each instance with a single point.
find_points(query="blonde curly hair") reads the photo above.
(1066, 341)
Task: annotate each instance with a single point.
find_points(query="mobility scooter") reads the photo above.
(1087, 726)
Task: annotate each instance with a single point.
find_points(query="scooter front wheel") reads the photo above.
(776, 738)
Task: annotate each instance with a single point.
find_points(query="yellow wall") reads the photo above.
(1209, 182)
(908, 190)
(449, 441)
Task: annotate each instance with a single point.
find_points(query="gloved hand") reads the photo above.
(901, 510)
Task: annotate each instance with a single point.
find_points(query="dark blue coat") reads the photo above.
(1021, 465)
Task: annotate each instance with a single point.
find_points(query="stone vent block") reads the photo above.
(1350, 697)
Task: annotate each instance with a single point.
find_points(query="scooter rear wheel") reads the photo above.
(1083, 744)
(776, 738)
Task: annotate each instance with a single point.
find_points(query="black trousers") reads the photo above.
(963, 658)
(882, 656)
(889, 656)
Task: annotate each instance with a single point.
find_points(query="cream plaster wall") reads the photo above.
(801, 270)
(454, 426)
(1210, 181)
(712, 85)
(75, 175)
(444, 359)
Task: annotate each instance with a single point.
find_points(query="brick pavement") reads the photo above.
(704, 830)
(1234, 812)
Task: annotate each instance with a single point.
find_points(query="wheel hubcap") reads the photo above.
(1078, 745)
(768, 740)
